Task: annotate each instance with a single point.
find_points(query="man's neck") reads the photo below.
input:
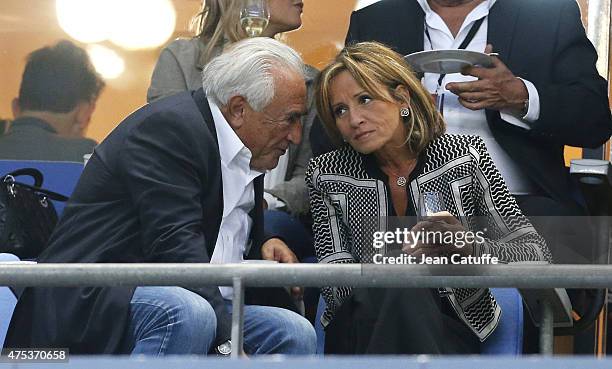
(59, 121)
(452, 3)
(453, 12)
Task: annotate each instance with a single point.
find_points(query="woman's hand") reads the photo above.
(439, 235)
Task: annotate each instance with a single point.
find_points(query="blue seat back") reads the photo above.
(59, 176)
(507, 339)
(7, 301)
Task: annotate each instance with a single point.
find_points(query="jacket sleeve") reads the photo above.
(331, 238)
(508, 233)
(352, 35)
(574, 106)
(165, 170)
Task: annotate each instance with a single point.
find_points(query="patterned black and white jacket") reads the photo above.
(347, 197)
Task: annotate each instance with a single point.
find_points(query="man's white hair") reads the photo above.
(247, 68)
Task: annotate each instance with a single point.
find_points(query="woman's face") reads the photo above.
(367, 124)
(285, 15)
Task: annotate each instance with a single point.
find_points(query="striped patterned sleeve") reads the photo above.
(331, 237)
(509, 234)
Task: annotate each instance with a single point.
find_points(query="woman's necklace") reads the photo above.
(400, 179)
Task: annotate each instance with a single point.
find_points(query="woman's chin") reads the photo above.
(363, 148)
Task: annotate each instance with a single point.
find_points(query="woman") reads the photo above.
(180, 64)
(395, 149)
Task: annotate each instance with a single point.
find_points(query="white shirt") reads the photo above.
(461, 120)
(274, 177)
(238, 196)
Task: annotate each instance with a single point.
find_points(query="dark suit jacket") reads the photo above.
(151, 192)
(34, 139)
(555, 55)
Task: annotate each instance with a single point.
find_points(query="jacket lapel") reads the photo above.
(257, 214)
(503, 18)
(199, 97)
(410, 30)
(257, 235)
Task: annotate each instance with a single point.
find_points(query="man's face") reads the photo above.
(269, 132)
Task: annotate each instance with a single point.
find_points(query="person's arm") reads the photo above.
(509, 235)
(574, 108)
(168, 77)
(524, 118)
(573, 105)
(331, 236)
(165, 169)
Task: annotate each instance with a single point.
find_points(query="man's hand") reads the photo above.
(277, 250)
(497, 88)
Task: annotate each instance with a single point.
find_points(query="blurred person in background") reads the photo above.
(57, 98)
(4, 124)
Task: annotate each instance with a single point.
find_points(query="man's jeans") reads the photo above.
(173, 320)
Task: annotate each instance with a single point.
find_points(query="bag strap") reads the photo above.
(32, 172)
(38, 180)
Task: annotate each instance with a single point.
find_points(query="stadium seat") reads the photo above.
(8, 300)
(507, 339)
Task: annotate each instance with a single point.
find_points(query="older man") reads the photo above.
(179, 180)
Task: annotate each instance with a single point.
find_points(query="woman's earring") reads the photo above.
(404, 112)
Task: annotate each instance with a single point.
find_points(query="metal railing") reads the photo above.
(312, 275)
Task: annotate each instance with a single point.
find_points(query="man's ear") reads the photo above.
(16, 108)
(82, 116)
(235, 111)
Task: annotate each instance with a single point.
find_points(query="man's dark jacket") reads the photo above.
(152, 192)
(541, 41)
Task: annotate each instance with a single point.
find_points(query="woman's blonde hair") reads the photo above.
(380, 70)
(217, 22)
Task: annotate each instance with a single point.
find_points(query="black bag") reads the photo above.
(27, 217)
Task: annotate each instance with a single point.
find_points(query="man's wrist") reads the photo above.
(525, 109)
(520, 107)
